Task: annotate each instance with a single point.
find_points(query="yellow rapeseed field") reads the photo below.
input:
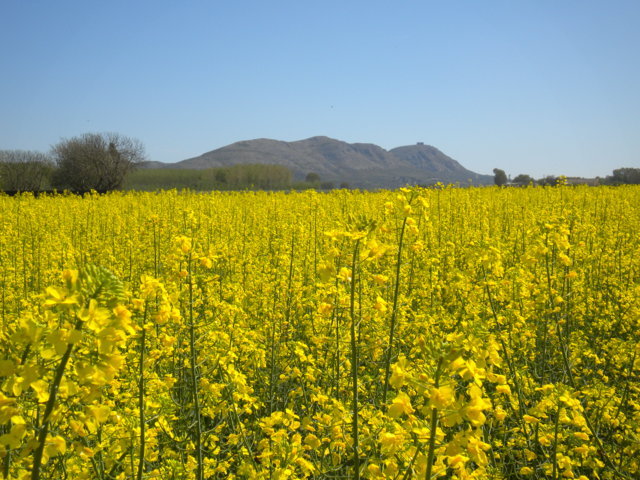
(480, 333)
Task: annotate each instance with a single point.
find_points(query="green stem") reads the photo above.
(554, 453)
(7, 457)
(337, 316)
(600, 447)
(194, 378)
(141, 397)
(434, 427)
(48, 410)
(354, 366)
(394, 314)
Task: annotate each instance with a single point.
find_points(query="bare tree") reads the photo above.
(22, 170)
(98, 161)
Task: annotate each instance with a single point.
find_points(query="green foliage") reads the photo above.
(624, 176)
(500, 178)
(98, 283)
(236, 177)
(547, 181)
(258, 176)
(312, 177)
(523, 180)
(24, 171)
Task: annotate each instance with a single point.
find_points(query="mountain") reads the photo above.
(362, 165)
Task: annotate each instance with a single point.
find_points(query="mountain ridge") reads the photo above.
(362, 165)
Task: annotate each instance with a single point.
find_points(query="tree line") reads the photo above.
(105, 162)
(620, 176)
(92, 161)
(110, 161)
(234, 177)
(500, 178)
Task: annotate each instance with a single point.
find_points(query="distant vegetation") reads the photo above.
(99, 161)
(621, 176)
(324, 159)
(624, 176)
(92, 161)
(25, 170)
(237, 177)
(499, 178)
(110, 161)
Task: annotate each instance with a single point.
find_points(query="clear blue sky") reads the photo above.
(537, 86)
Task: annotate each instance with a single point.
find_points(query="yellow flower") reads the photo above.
(95, 316)
(503, 389)
(325, 308)
(206, 262)
(374, 471)
(344, 274)
(473, 411)
(42, 390)
(380, 305)
(380, 279)
(59, 296)
(499, 413)
(581, 436)
(390, 442)
(442, 397)
(401, 405)
(399, 375)
(183, 244)
(581, 450)
(457, 461)
(564, 259)
(313, 441)
(6, 368)
(98, 412)
(56, 446)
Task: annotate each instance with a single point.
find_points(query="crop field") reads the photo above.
(478, 333)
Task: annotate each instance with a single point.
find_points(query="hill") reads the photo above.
(362, 165)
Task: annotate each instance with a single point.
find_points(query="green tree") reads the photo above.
(499, 177)
(625, 176)
(312, 177)
(549, 181)
(220, 175)
(22, 170)
(523, 180)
